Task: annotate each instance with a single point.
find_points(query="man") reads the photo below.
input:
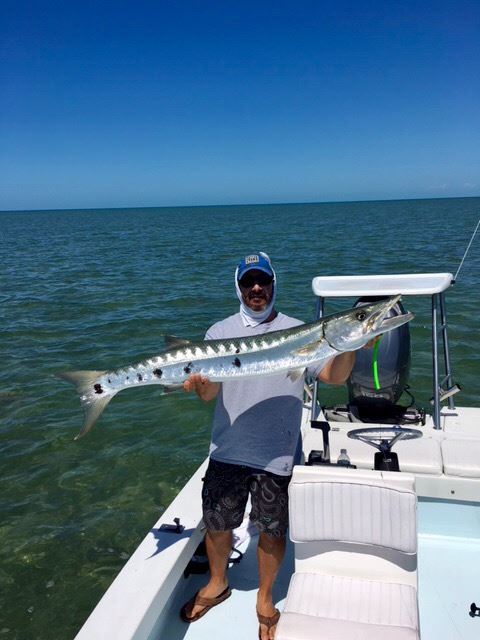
(255, 432)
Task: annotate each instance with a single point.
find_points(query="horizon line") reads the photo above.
(244, 204)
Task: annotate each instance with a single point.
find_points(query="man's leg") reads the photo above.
(270, 554)
(270, 514)
(224, 497)
(219, 545)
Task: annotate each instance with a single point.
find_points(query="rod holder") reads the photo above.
(444, 394)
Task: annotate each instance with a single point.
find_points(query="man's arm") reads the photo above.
(203, 387)
(337, 370)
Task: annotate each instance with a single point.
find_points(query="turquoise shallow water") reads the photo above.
(98, 289)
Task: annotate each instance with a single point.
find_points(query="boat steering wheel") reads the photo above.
(383, 439)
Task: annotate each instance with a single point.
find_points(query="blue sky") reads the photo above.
(190, 103)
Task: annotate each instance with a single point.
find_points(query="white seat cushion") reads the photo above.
(294, 626)
(352, 512)
(461, 458)
(335, 608)
(419, 456)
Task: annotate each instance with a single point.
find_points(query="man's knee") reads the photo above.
(219, 535)
(270, 544)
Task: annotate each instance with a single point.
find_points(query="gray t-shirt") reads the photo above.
(257, 420)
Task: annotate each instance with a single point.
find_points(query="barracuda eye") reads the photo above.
(360, 315)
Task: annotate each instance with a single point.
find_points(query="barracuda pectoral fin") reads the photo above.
(93, 401)
(308, 349)
(173, 341)
(295, 374)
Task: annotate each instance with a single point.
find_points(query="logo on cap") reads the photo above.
(254, 259)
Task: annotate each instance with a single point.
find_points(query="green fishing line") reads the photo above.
(376, 381)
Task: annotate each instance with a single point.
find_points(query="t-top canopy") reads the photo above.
(407, 284)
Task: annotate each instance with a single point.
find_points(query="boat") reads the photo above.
(402, 557)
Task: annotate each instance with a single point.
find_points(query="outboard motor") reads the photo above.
(380, 376)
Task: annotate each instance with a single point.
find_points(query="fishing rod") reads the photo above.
(466, 251)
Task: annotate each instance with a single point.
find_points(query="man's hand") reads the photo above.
(202, 386)
(371, 343)
(337, 370)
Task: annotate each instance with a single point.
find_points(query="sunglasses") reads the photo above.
(261, 278)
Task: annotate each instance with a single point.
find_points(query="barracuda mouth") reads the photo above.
(392, 323)
(380, 323)
(353, 329)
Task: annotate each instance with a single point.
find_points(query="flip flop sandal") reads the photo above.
(206, 603)
(268, 621)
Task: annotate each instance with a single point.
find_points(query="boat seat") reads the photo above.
(355, 556)
(335, 608)
(461, 458)
(420, 456)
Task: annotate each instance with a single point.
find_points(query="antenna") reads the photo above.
(466, 251)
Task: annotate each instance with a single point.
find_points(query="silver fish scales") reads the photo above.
(289, 351)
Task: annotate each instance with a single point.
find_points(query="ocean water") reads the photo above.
(98, 289)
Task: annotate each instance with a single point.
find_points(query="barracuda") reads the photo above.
(289, 351)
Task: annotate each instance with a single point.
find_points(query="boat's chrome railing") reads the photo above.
(445, 389)
(417, 284)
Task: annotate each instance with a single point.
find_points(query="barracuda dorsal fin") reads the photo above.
(92, 404)
(295, 374)
(308, 349)
(172, 341)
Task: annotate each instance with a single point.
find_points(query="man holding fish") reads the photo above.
(254, 364)
(255, 433)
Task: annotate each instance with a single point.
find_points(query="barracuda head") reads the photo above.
(350, 330)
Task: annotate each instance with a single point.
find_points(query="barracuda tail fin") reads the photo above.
(92, 400)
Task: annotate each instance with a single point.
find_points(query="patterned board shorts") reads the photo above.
(225, 493)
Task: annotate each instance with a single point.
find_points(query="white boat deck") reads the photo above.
(143, 602)
(235, 617)
(448, 539)
(448, 582)
(449, 547)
